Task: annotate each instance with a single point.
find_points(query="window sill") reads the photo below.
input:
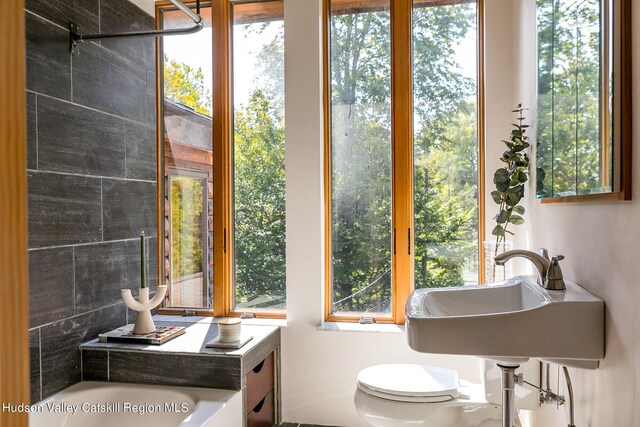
(358, 327)
(209, 319)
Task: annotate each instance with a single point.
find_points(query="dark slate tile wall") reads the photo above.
(91, 157)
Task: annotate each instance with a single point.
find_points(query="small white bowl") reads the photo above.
(229, 330)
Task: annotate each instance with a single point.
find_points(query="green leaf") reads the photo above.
(500, 176)
(519, 209)
(502, 186)
(522, 177)
(516, 219)
(512, 199)
(503, 217)
(497, 196)
(498, 230)
(541, 174)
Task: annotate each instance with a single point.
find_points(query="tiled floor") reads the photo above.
(300, 425)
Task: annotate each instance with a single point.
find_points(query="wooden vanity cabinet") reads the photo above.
(261, 393)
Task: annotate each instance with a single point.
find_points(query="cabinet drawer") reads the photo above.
(262, 415)
(259, 382)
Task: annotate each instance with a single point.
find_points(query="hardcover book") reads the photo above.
(125, 334)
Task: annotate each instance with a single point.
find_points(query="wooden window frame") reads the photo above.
(402, 262)
(222, 140)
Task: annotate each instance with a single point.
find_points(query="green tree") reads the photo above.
(186, 227)
(569, 100)
(185, 85)
(259, 199)
(445, 202)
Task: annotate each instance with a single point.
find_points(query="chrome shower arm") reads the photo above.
(75, 38)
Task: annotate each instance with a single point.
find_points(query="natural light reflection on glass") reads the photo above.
(187, 163)
(445, 144)
(258, 156)
(187, 201)
(360, 158)
(574, 100)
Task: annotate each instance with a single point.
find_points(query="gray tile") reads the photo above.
(128, 207)
(102, 270)
(123, 16)
(32, 134)
(109, 82)
(141, 151)
(48, 58)
(50, 285)
(152, 264)
(34, 362)
(175, 369)
(79, 140)
(151, 98)
(63, 210)
(82, 12)
(61, 358)
(95, 365)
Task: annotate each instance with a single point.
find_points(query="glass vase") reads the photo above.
(496, 273)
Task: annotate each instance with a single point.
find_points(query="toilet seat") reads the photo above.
(409, 383)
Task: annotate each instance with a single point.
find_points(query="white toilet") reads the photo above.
(399, 395)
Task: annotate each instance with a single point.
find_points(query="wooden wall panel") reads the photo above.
(14, 311)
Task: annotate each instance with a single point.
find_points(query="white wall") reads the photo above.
(600, 242)
(320, 367)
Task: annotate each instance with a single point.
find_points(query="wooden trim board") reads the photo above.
(14, 292)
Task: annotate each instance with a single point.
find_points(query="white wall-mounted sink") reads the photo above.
(509, 321)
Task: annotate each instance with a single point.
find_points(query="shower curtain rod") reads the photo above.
(75, 38)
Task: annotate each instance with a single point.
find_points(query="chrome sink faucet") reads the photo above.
(549, 272)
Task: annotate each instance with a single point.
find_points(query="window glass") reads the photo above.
(445, 143)
(258, 156)
(360, 73)
(187, 239)
(574, 99)
(186, 66)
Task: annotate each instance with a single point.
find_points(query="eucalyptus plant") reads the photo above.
(510, 179)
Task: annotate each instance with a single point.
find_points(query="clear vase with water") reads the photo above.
(496, 273)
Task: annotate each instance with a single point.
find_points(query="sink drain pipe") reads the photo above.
(570, 391)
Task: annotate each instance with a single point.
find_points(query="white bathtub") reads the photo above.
(99, 404)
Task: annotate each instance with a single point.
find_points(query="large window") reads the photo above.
(222, 154)
(258, 158)
(186, 162)
(402, 164)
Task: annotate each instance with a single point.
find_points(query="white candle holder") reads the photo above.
(144, 322)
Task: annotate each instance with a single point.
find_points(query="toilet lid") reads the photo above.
(409, 383)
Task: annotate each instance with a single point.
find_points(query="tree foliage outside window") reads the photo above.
(445, 160)
(569, 98)
(186, 226)
(185, 85)
(445, 145)
(259, 173)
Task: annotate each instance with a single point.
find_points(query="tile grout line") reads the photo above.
(82, 244)
(126, 146)
(78, 315)
(95, 43)
(91, 176)
(102, 208)
(90, 108)
(71, 77)
(40, 357)
(37, 136)
(73, 278)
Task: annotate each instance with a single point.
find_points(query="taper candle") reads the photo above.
(143, 262)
